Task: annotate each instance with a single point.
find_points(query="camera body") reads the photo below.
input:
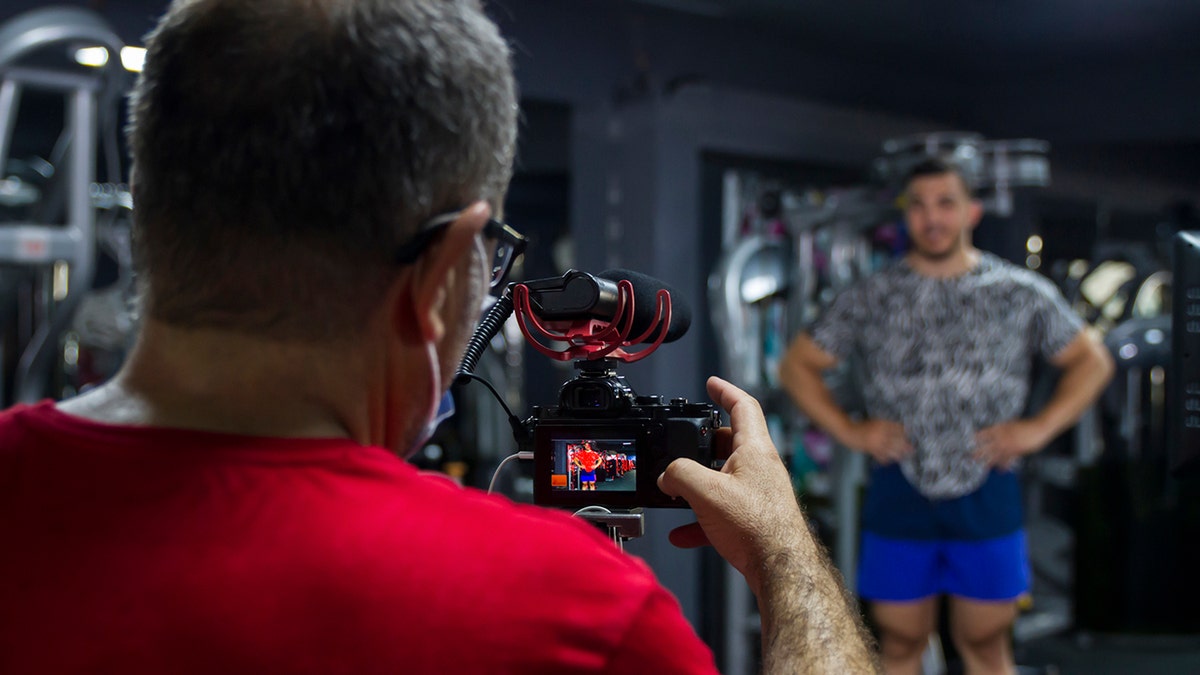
(604, 445)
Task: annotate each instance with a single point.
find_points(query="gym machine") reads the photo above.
(1138, 530)
(50, 233)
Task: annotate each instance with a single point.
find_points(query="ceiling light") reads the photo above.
(132, 58)
(91, 56)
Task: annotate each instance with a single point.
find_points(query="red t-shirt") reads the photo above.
(589, 460)
(149, 550)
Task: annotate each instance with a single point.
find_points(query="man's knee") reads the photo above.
(902, 645)
(983, 635)
(979, 640)
(904, 630)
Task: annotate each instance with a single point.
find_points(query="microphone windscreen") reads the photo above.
(645, 304)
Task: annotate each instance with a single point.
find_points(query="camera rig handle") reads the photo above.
(621, 526)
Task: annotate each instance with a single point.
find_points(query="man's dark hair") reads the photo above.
(282, 149)
(936, 166)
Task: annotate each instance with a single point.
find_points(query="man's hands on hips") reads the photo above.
(747, 511)
(886, 441)
(1003, 444)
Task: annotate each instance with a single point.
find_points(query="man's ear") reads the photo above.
(437, 274)
(976, 212)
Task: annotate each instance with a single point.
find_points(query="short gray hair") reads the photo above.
(282, 149)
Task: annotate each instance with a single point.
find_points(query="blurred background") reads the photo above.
(747, 152)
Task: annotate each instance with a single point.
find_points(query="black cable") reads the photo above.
(463, 378)
(488, 327)
(518, 427)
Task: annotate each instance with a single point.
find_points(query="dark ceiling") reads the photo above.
(980, 38)
(1114, 83)
(964, 39)
(1117, 80)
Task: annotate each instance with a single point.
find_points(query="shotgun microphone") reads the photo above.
(579, 296)
(645, 304)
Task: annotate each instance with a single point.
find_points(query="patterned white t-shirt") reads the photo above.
(947, 357)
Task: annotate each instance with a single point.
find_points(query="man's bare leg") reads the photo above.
(982, 633)
(904, 630)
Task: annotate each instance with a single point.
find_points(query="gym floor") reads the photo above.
(1084, 654)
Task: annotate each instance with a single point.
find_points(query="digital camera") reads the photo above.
(603, 445)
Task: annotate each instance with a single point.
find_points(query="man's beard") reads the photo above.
(954, 249)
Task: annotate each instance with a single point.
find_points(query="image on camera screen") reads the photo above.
(603, 465)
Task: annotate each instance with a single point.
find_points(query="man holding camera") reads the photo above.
(316, 183)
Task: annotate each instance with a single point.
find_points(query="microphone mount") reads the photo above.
(594, 338)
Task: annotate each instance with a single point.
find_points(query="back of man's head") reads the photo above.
(936, 166)
(283, 148)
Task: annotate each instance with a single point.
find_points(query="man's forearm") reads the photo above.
(808, 391)
(810, 624)
(1078, 387)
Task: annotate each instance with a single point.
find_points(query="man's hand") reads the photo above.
(886, 441)
(747, 510)
(1003, 444)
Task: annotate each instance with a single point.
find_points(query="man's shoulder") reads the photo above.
(888, 278)
(21, 411)
(19, 421)
(990, 263)
(998, 271)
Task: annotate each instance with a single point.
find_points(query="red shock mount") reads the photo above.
(593, 339)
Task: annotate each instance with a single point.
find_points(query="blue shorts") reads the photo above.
(899, 570)
(587, 476)
(970, 546)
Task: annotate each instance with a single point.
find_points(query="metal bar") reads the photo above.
(1088, 444)
(737, 613)
(33, 370)
(34, 245)
(54, 80)
(1133, 413)
(10, 99)
(801, 282)
(80, 214)
(851, 473)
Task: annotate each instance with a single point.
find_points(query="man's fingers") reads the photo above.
(745, 414)
(688, 536)
(724, 393)
(686, 478)
(897, 437)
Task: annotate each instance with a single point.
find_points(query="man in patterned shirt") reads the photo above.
(946, 338)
